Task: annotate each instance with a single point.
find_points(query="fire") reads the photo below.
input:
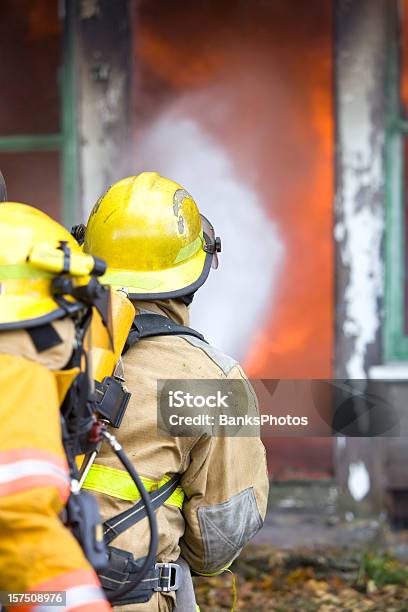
(257, 78)
(265, 70)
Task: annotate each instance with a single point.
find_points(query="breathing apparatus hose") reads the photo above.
(150, 559)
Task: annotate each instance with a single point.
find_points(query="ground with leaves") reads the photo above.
(324, 581)
(310, 557)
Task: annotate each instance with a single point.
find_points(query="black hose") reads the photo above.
(150, 559)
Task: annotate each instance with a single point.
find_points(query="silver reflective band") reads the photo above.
(75, 596)
(32, 598)
(30, 467)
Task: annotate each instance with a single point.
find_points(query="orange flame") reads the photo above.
(266, 69)
(270, 65)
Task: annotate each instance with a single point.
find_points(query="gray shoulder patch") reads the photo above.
(226, 528)
(224, 362)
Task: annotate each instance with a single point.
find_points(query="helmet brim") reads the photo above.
(17, 312)
(180, 280)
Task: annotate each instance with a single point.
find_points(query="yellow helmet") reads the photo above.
(34, 249)
(150, 233)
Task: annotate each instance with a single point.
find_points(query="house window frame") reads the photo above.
(65, 141)
(395, 339)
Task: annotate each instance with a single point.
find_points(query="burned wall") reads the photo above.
(361, 93)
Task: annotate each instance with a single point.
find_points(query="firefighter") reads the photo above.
(210, 492)
(37, 339)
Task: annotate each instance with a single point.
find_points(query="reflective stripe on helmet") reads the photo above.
(190, 249)
(19, 271)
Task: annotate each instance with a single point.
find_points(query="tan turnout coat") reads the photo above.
(224, 479)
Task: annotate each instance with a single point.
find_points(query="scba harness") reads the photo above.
(78, 414)
(122, 568)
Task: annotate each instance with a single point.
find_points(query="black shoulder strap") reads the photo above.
(44, 337)
(119, 523)
(151, 324)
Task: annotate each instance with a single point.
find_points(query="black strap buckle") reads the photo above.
(111, 400)
(169, 577)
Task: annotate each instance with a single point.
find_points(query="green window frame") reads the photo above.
(395, 340)
(65, 141)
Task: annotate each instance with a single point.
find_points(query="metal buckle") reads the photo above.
(170, 573)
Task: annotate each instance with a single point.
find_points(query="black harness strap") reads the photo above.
(67, 256)
(151, 324)
(44, 337)
(123, 569)
(122, 566)
(120, 522)
(147, 325)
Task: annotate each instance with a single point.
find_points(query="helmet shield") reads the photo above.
(3, 190)
(212, 242)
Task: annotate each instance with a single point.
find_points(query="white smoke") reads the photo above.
(232, 305)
